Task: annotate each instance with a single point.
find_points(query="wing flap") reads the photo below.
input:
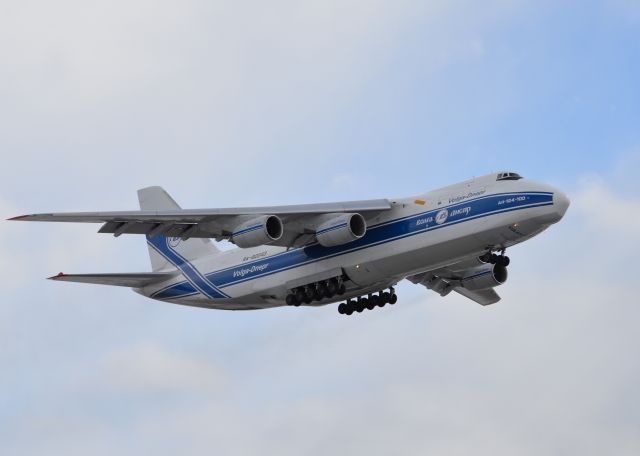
(131, 280)
(482, 297)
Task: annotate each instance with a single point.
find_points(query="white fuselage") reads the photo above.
(420, 233)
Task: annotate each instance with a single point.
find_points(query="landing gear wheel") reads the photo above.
(310, 295)
(351, 307)
(291, 300)
(319, 292)
(373, 302)
(393, 299)
(362, 304)
(386, 296)
(332, 288)
(342, 309)
(504, 261)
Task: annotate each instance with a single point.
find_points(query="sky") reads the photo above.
(250, 103)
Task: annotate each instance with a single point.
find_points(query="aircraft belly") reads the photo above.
(512, 227)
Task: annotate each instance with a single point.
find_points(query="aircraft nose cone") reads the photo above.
(561, 203)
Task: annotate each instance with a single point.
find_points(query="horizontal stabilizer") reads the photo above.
(131, 280)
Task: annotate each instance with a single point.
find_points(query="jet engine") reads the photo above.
(341, 229)
(258, 231)
(485, 276)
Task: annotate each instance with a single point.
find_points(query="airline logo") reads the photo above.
(442, 216)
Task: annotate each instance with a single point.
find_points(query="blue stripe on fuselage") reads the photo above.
(193, 276)
(378, 234)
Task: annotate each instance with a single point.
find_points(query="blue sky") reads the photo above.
(228, 103)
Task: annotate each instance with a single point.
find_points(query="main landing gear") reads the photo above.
(368, 302)
(500, 260)
(316, 292)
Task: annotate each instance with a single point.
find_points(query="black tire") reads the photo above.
(332, 287)
(373, 302)
(308, 299)
(300, 295)
(385, 297)
(349, 311)
(362, 304)
(393, 299)
(329, 292)
(342, 309)
(291, 300)
(310, 293)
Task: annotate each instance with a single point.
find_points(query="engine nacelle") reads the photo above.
(341, 229)
(258, 231)
(484, 277)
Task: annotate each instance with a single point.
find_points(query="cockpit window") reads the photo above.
(508, 176)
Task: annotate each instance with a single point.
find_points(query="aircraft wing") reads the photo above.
(453, 278)
(299, 222)
(132, 280)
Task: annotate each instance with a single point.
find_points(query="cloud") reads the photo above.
(149, 369)
(608, 213)
(102, 99)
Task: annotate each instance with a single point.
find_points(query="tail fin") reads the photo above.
(156, 199)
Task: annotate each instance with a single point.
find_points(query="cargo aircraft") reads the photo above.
(353, 252)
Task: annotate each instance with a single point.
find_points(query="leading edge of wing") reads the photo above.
(197, 215)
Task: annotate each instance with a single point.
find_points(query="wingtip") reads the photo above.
(57, 276)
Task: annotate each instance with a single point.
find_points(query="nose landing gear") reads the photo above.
(500, 260)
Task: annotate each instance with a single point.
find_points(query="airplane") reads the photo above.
(353, 252)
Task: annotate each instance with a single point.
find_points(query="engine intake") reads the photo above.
(485, 276)
(258, 231)
(341, 229)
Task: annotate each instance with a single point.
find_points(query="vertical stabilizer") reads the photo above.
(157, 199)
